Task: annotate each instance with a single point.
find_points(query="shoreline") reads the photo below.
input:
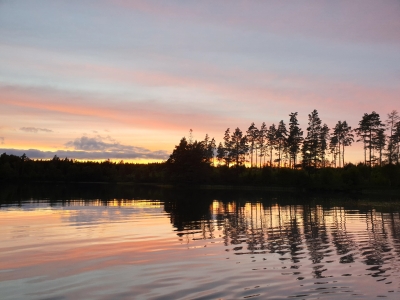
(366, 191)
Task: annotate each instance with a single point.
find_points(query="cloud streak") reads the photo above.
(107, 144)
(35, 129)
(95, 148)
(237, 101)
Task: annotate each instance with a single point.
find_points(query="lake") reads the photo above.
(142, 242)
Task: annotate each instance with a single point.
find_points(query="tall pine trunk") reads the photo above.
(270, 158)
(365, 154)
(370, 148)
(256, 156)
(343, 156)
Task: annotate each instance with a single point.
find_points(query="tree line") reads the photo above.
(277, 155)
(24, 169)
(287, 146)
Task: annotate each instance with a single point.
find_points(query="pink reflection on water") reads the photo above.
(241, 250)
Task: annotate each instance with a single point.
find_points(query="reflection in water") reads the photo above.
(325, 240)
(184, 244)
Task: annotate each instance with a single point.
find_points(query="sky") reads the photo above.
(126, 80)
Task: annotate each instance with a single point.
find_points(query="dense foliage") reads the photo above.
(24, 169)
(182, 170)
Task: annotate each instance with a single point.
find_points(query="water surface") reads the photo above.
(108, 242)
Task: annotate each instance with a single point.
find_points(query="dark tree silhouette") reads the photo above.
(271, 138)
(396, 142)
(227, 147)
(294, 139)
(281, 135)
(342, 134)
(189, 162)
(362, 132)
(347, 138)
(369, 128)
(261, 141)
(220, 153)
(210, 148)
(312, 143)
(334, 149)
(324, 137)
(239, 147)
(380, 143)
(252, 134)
(392, 119)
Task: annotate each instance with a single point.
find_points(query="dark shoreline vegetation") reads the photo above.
(183, 197)
(270, 154)
(350, 178)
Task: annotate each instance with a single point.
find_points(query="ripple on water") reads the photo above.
(238, 251)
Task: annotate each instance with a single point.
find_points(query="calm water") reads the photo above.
(108, 242)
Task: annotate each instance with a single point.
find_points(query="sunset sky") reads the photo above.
(127, 79)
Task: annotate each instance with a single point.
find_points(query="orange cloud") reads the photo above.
(153, 115)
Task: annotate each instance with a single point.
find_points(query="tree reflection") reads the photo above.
(297, 233)
(308, 231)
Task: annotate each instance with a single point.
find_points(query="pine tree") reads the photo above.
(324, 137)
(312, 143)
(261, 141)
(271, 138)
(368, 130)
(252, 133)
(227, 147)
(334, 149)
(396, 142)
(392, 119)
(211, 147)
(344, 137)
(362, 132)
(380, 143)
(281, 135)
(220, 153)
(209, 154)
(294, 139)
(347, 138)
(239, 147)
(337, 133)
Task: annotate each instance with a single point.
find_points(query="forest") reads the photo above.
(279, 146)
(274, 156)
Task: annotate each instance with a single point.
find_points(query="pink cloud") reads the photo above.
(226, 90)
(235, 88)
(144, 115)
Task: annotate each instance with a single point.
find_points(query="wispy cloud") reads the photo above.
(100, 143)
(92, 148)
(35, 129)
(139, 114)
(97, 147)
